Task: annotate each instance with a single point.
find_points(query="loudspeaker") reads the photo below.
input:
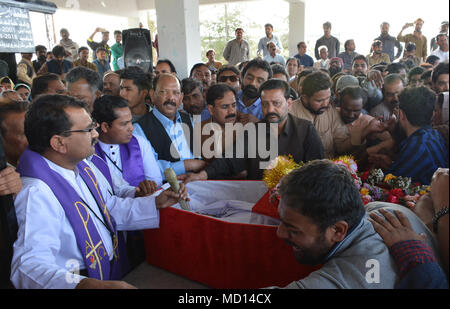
(137, 49)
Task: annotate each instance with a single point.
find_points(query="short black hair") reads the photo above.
(347, 43)
(415, 71)
(268, 25)
(314, 82)
(82, 48)
(40, 84)
(142, 80)
(441, 68)
(197, 65)
(395, 67)
(14, 107)
(218, 91)
(91, 77)
(117, 32)
(104, 108)
(189, 84)
(360, 57)
(293, 58)
(418, 105)
(39, 48)
(324, 192)
(279, 69)
(172, 67)
(101, 48)
(275, 83)
(431, 59)
(425, 75)
(258, 63)
(46, 117)
(225, 68)
(354, 92)
(58, 51)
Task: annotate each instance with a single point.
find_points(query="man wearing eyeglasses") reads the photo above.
(229, 75)
(68, 222)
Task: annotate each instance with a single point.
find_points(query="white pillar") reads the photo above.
(179, 33)
(296, 25)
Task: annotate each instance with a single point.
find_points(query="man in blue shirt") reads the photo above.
(424, 150)
(305, 60)
(165, 127)
(254, 75)
(101, 63)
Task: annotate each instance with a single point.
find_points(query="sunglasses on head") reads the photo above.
(232, 78)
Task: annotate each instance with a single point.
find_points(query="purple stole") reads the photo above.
(94, 253)
(132, 162)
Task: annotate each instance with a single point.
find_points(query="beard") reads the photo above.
(320, 111)
(42, 58)
(313, 255)
(334, 70)
(250, 92)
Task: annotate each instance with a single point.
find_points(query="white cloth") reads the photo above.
(151, 167)
(443, 56)
(46, 247)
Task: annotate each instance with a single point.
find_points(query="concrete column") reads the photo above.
(296, 25)
(179, 33)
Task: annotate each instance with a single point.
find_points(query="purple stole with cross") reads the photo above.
(32, 164)
(132, 162)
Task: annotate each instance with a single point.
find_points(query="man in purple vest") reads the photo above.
(129, 157)
(68, 221)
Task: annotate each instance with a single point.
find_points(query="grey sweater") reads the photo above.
(352, 261)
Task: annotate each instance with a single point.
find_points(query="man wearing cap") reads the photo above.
(377, 56)
(70, 46)
(444, 30)
(341, 83)
(104, 43)
(416, 37)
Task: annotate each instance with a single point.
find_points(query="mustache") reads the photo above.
(170, 103)
(272, 114)
(230, 116)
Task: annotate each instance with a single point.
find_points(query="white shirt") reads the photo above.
(443, 56)
(151, 166)
(46, 248)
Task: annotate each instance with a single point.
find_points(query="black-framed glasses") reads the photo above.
(232, 78)
(92, 127)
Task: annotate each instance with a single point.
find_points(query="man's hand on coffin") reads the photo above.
(186, 178)
(168, 198)
(91, 283)
(194, 165)
(145, 188)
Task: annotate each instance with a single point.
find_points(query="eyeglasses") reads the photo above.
(92, 127)
(232, 78)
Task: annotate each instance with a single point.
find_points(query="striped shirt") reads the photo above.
(421, 154)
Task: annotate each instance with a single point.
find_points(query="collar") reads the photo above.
(346, 241)
(64, 172)
(240, 102)
(108, 147)
(166, 122)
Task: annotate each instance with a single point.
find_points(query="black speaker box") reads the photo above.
(137, 49)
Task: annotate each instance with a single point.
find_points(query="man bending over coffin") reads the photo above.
(68, 222)
(128, 156)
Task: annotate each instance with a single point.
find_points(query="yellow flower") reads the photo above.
(364, 191)
(422, 192)
(389, 177)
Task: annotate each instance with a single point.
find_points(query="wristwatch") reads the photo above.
(437, 216)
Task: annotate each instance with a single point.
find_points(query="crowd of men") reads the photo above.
(99, 136)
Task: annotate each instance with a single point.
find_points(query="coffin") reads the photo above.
(221, 242)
